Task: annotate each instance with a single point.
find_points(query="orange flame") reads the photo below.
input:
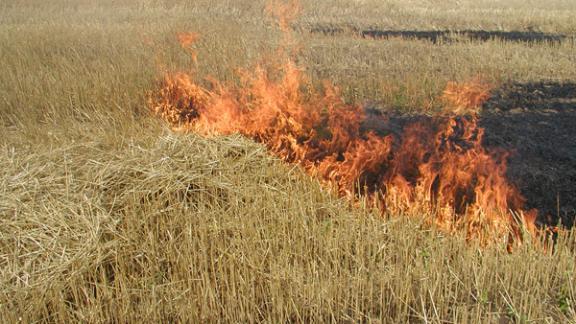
(284, 12)
(186, 40)
(435, 166)
(466, 97)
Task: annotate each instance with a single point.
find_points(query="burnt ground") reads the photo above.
(445, 36)
(537, 122)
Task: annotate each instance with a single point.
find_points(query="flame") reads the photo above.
(186, 40)
(435, 167)
(466, 97)
(284, 12)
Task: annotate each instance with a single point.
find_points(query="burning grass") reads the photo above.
(436, 167)
(188, 229)
(107, 217)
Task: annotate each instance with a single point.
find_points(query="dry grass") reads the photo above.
(187, 229)
(107, 217)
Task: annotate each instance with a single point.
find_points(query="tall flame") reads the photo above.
(434, 167)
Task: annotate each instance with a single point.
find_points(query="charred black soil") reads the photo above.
(537, 123)
(445, 36)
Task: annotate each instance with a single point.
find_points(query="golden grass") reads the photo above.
(105, 216)
(180, 228)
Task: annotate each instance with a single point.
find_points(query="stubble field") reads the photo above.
(107, 215)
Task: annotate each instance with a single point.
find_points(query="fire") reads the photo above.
(435, 167)
(466, 97)
(186, 41)
(284, 12)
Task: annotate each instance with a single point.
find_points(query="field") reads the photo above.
(108, 215)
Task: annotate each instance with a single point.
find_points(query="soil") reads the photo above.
(537, 122)
(446, 36)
